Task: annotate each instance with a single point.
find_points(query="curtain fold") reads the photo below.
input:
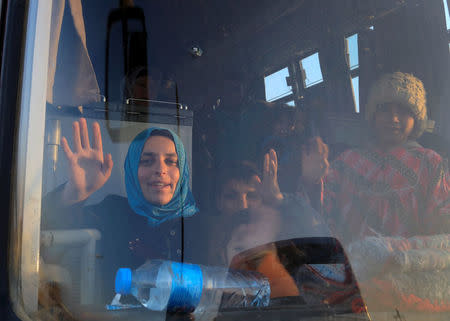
(71, 76)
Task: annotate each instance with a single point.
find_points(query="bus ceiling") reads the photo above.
(238, 40)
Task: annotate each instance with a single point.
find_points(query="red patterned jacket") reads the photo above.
(400, 192)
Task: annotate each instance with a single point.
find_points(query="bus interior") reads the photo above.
(218, 72)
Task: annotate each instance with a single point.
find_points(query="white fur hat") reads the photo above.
(404, 89)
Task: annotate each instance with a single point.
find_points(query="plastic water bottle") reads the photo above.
(181, 287)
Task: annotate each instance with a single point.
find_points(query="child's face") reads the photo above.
(315, 161)
(394, 124)
(238, 195)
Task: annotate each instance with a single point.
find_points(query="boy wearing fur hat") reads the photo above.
(394, 186)
(391, 197)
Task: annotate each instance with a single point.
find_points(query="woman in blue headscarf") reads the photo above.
(148, 223)
(156, 172)
(157, 176)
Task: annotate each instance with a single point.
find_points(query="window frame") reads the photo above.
(27, 181)
(296, 77)
(13, 14)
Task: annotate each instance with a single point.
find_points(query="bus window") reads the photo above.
(447, 17)
(352, 49)
(355, 87)
(303, 144)
(276, 86)
(352, 56)
(311, 67)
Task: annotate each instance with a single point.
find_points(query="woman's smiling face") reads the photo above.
(158, 171)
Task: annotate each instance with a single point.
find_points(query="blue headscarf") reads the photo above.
(182, 202)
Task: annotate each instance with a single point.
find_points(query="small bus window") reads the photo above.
(352, 49)
(447, 16)
(352, 58)
(355, 88)
(312, 72)
(276, 86)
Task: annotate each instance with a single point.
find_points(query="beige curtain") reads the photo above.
(71, 77)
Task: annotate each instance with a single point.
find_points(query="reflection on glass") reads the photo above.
(276, 86)
(260, 164)
(311, 67)
(352, 47)
(156, 163)
(373, 198)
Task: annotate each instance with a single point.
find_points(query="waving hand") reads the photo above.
(89, 169)
(269, 188)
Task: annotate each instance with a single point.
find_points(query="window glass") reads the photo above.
(291, 103)
(312, 71)
(352, 48)
(447, 17)
(276, 86)
(152, 138)
(355, 87)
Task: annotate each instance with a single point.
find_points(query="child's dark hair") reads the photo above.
(238, 170)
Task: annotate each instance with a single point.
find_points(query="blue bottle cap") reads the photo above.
(123, 281)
